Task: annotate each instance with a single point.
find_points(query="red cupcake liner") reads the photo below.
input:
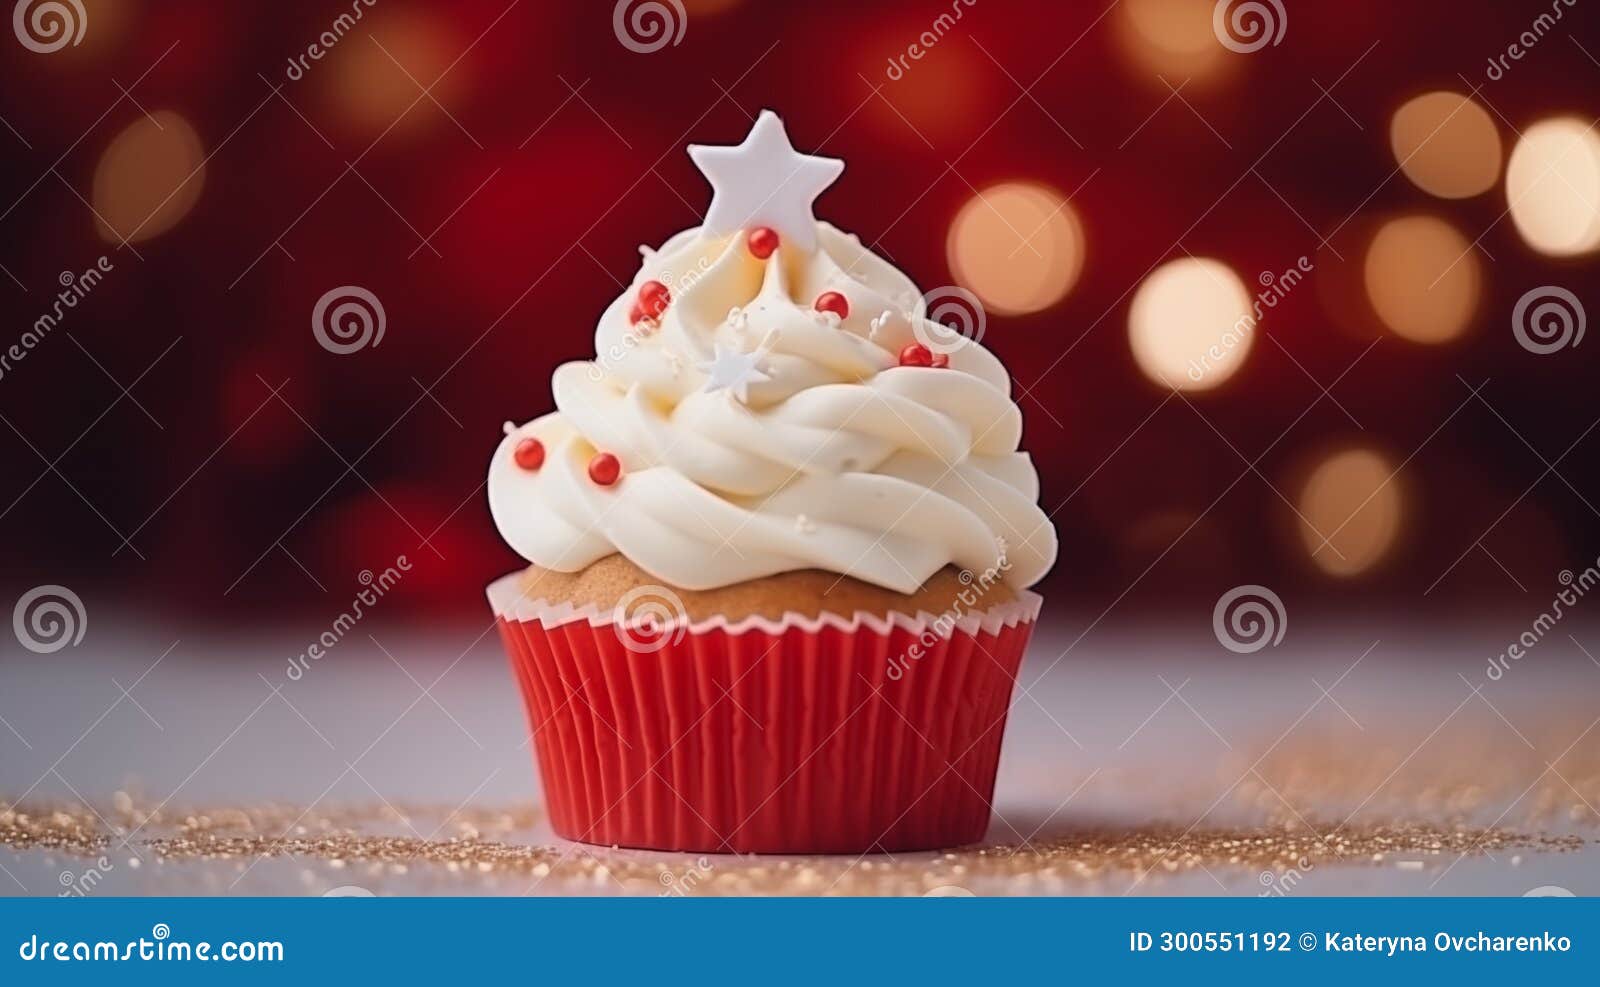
(805, 735)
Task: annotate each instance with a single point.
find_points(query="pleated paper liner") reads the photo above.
(825, 734)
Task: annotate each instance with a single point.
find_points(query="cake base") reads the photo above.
(808, 592)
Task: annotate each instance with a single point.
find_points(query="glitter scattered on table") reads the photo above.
(475, 851)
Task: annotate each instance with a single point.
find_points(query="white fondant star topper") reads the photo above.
(765, 182)
(733, 371)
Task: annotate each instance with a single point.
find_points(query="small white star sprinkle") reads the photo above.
(733, 371)
(877, 324)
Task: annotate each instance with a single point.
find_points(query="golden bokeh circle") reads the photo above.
(1553, 187)
(1018, 246)
(1171, 38)
(1447, 145)
(1424, 279)
(1191, 324)
(1351, 510)
(148, 178)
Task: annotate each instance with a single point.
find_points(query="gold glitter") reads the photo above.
(1084, 860)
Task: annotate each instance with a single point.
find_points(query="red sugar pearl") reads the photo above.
(604, 469)
(654, 299)
(763, 241)
(916, 355)
(941, 360)
(635, 314)
(832, 301)
(529, 454)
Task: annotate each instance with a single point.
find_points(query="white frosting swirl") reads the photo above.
(840, 460)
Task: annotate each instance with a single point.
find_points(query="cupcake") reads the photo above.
(780, 539)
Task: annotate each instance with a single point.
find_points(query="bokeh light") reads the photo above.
(1354, 501)
(372, 84)
(1423, 278)
(1191, 324)
(149, 177)
(1171, 38)
(1553, 187)
(1447, 144)
(1018, 246)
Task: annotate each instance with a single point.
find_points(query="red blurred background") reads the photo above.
(182, 444)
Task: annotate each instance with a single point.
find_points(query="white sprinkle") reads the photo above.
(508, 428)
(804, 525)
